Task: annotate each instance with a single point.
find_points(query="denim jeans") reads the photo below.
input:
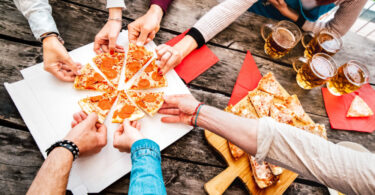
(146, 176)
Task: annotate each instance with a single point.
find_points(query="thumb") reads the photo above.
(91, 119)
(72, 65)
(142, 38)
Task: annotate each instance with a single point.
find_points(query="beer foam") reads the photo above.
(329, 42)
(284, 38)
(322, 67)
(354, 74)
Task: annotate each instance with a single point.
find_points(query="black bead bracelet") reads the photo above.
(65, 144)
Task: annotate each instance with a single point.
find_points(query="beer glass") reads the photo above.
(280, 38)
(315, 71)
(350, 77)
(326, 41)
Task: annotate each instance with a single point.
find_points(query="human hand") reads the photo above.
(87, 134)
(180, 108)
(105, 40)
(169, 58)
(280, 5)
(126, 134)
(143, 30)
(57, 60)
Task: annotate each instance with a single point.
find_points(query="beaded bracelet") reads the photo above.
(65, 144)
(196, 116)
(195, 112)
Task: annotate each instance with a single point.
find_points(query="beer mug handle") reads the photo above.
(303, 40)
(297, 63)
(266, 30)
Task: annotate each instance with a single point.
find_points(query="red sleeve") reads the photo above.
(164, 4)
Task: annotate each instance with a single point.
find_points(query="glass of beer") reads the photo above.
(350, 77)
(280, 38)
(326, 41)
(315, 71)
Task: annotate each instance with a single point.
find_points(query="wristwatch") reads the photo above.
(51, 34)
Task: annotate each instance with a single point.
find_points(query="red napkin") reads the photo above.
(247, 79)
(338, 106)
(196, 62)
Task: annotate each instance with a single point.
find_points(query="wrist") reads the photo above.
(115, 12)
(186, 46)
(50, 39)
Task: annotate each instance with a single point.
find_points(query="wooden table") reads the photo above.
(190, 162)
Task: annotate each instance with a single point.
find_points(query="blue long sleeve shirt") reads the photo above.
(146, 175)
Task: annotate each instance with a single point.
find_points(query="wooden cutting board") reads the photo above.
(240, 168)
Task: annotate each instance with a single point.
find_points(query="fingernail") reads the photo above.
(160, 72)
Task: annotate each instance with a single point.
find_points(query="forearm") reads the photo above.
(315, 158)
(186, 45)
(115, 12)
(53, 176)
(290, 13)
(146, 175)
(238, 130)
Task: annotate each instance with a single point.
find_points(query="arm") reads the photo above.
(343, 19)
(164, 4)
(307, 154)
(38, 14)
(52, 178)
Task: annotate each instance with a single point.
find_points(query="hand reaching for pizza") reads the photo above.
(169, 58)
(57, 60)
(126, 134)
(180, 108)
(87, 133)
(143, 30)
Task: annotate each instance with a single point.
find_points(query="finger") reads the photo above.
(170, 119)
(142, 37)
(138, 126)
(172, 100)
(161, 50)
(102, 135)
(133, 33)
(112, 40)
(91, 119)
(164, 59)
(82, 114)
(77, 117)
(119, 131)
(71, 64)
(166, 105)
(97, 47)
(150, 37)
(170, 111)
(73, 124)
(172, 62)
(105, 48)
(120, 49)
(126, 124)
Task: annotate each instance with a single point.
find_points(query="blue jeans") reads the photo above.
(146, 176)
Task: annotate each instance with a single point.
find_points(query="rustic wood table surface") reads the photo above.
(190, 162)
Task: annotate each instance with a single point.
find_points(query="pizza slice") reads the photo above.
(281, 114)
(125, 109)
(100, 104)
(91, 79)
(359, 108)
(110, 65)
(137, 57)
(294, 104)
(150, 78)
(262, 102)
(150, 102)
(270, 85)
(316, 129)
(262, 173)
(276, 170)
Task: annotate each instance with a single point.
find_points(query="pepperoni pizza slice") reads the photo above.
(137, 57)
(150, 78)
(262, 102)
(100, 104)
(125, 109)
(90, 79)
(110, 65)
(150, 102)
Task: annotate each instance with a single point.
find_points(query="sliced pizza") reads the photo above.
(91, 79)
(276, 170)
(110, 65)
(262, 173)
(137, 57)
(150, 78)
(294, 104)
(270, 85)
(281, 114)
(262, 102)
(316, 129)
(359, 108)
(100, 104)
(126, 109)
(235, 150)
(150, 102)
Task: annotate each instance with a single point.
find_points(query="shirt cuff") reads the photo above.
(42, 22)
(164, 4)
(115, 3)
(197, 36)
(265, 137)
(145, 147)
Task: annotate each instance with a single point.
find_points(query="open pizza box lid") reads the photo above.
(47, 105)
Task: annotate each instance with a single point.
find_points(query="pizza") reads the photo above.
(276, 170)
(126, 109)
(150, 78)
(91, 79)
(235, 150)
(137, 57)
(100, 104)
(294, 104)
(150, 102)
(281, 114)
(110, 65)
(262, 102)
(270, 85)
(262, 173)
(316, 129)
(359, 108)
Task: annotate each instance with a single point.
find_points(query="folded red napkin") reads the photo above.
(196, 62)
(338, 106)
(247, 79)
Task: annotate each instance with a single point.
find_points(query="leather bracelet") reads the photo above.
(115, 19)
(69, 145)
(51, 34)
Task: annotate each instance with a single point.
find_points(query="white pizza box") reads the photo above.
(47, 105)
